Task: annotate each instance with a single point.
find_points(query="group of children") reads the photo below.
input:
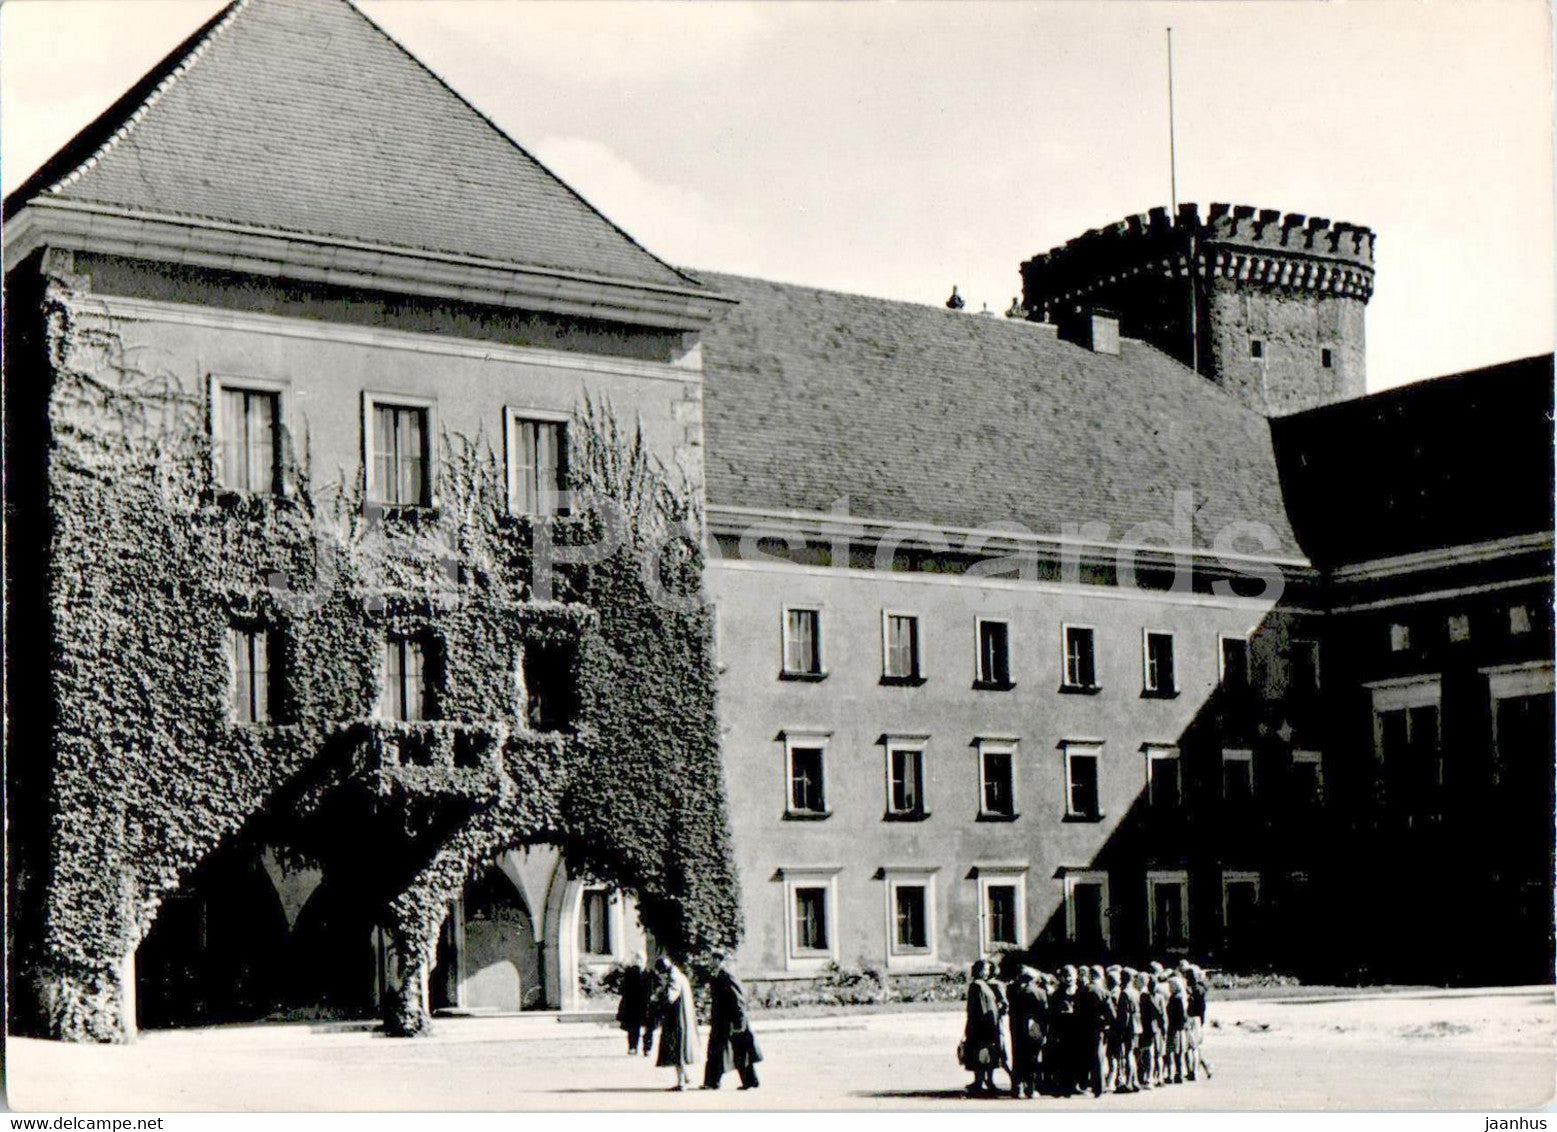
(1086, 1029)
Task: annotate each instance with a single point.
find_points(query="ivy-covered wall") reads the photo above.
(148, 571)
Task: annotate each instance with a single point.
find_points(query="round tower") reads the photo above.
(1268, 306)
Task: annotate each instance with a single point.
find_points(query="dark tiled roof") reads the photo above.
(302, 116)
(920, 414)
(1460, 459)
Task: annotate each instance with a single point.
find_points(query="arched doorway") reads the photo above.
(336, 958)
(488, 960)
(215, 951)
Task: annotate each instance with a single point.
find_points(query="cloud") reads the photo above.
(675, 222)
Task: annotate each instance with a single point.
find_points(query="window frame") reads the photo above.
(1082, 748)
(996, 745)
(910, 958)
(1406, 694)
(984, 680)
(1066, 628)
(1237, 755)
(808, 740)
(265, 637)
(823, 877)
(1074, 877)
(1231, 877)
(1400, 641)
(916, 675)
(1147, 686)
(913, 745)
(613, 923)
(1221, 662)
(818, 645)
(373, 400)
(1176, 877)
(1161, 752)
(1293, 646)
(388, 640)
(1001, 876)
(1308, 756)
(524, 414)
(281, 389)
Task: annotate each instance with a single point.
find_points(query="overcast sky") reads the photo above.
(896, 149)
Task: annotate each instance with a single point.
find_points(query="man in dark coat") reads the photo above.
(1096, 1010)
(731, 1043)
(633, 1013)
(1061, 1058)
(1029, 1004)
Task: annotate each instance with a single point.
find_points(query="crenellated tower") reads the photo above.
(1269, 306)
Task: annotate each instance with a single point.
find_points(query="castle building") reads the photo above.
(1127, 628)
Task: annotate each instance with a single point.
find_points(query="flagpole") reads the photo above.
(1173, 160)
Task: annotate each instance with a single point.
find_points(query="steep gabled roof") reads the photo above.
(919, 414)
(303, 116)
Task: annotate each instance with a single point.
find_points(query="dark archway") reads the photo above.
(215, 952)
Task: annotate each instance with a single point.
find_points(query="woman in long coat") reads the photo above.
(678, 1021)
(981, 1045)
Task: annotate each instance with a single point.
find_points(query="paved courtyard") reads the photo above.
(1489, 1050)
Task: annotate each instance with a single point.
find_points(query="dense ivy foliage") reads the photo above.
(150, 571)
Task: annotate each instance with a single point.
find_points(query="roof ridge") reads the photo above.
(68, 165)
(500, 132)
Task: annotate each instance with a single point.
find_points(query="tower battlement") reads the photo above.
(1293, 338)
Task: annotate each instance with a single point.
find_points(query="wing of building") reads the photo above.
(1128, 628)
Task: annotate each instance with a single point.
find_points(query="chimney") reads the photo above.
(1100, 331)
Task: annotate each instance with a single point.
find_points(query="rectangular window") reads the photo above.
(807, 790)
(997, 778)
(1080, 663)
(403, 684)
(1518, 620)
(251, 676)
(905, 785)
(1326, 358)
(1164, 779)
(900, 646)
(1081, 782)
(1256, 348)
(1086, 910)
(1234, 670)
(1000, 903)
(595, 922)
(1238, 777)
(1167, 909)
(400, 455)
(1399, 638)
(810, 919)
(1308, 784)
(911, 918)
(1304, 660)
(1240, 907)
(802, 642)
(250, 439)
(1459, 627)
(537, 466)
(1413, 764)
(1159, 679)
(994, 658)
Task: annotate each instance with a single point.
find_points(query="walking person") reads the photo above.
(731, 1043)
(1196, 1029)
(981, 1045)
(678, 1021)
(634, 1012)
(1029, 1005)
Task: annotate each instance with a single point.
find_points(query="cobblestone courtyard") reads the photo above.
(1489, 1050)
